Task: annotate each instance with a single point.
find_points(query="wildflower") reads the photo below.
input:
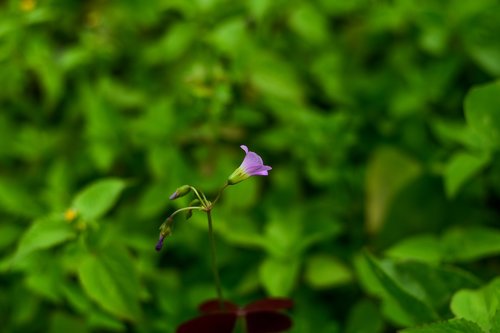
(252, 165)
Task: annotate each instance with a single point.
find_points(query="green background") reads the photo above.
(381, 120)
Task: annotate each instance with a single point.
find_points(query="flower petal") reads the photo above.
(251, 159)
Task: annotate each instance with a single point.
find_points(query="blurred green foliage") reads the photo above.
(381, 120)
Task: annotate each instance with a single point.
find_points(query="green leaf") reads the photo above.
(309, 23)
(469, 244)
(450, 326)
(63, 322)
(43, 234)
(75, 297)
(481, 306)
(364, 317)
(412, 306)
(273, 77)
(324, 271)
(433, 284)
(17, 199)
(101, 321)
(483, 114)
(278, 276)
(461, 168)
(109, 278)
(98, 198)
(230, 36)
(389, 171)
(46, 282)
(426, 248)
(10, 233)
(283, 233)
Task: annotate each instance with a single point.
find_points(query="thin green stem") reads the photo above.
(184, 209)
(213, 255)
(220, 192)
(202, 199)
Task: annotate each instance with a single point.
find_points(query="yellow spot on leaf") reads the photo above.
(70, 215)
(27, 5)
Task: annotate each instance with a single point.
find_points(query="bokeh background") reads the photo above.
(381, 120)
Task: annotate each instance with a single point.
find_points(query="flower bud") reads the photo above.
(189, 213)
(165, 231)
(180, 192)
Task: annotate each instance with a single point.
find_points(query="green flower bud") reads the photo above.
(180, 192)
(193, 203)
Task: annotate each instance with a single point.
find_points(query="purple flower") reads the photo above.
(252, 165)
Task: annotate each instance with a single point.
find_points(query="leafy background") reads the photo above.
(381, 120)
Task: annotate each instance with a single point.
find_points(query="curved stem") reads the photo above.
(220, 192)
(214, 260)
(184, 209)
(202, 199)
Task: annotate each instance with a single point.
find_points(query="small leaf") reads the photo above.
(44, 234)
(412, 306)
(278, 276)
(98, 198)
(62, 322)
(389, 171)
(461, 168)
(450, 326)
(111, 281)
(468, 244)
(324, 271)
(482, 112)
(365, 317)
(480, 306)
(426, 248)
(46, 283)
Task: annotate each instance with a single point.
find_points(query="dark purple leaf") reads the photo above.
(213, 306)
(267, 322)
(211, 323)
(269, 304)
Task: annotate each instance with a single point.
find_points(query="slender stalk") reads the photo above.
(220, 192)
(184, 209)
(214, 260)
(202, 199)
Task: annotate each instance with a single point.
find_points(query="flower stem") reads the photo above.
(214, 260)
(202, 198)
(184, 209)
(220, 192)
